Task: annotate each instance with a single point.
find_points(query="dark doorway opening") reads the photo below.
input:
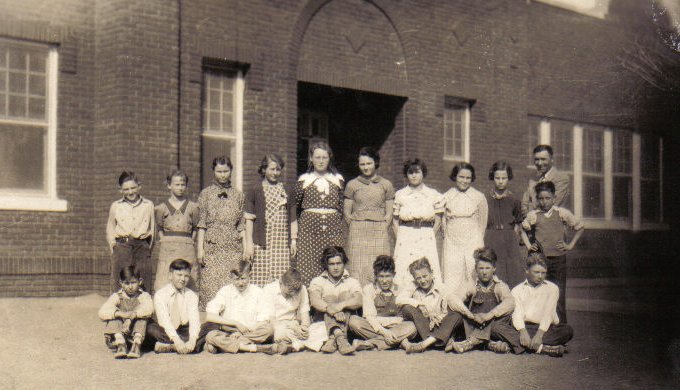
(348, 119)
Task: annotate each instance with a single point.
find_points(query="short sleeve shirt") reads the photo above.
(369, 197)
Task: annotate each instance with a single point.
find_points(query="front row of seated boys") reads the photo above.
(276, 319)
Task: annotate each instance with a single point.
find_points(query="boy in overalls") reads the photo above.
(490, 305)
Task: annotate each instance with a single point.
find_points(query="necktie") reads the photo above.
(175, 311)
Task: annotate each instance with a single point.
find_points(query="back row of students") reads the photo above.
(272, 224)
(423, 314)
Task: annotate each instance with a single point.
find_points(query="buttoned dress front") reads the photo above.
(465, 218)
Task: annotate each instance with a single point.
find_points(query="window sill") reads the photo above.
(453, 159)
(32, 203)
(601, 224)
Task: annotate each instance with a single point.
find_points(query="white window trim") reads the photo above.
(237, 135)
(466, 139)
(47, 201)
(634, 222)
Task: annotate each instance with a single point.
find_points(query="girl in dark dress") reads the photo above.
(505, 215)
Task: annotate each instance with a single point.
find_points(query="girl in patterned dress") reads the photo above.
(368, 212)
(268, 211)
(465, 215)
(503, 225)
(219, 247)
(318, 197)
(417, 216)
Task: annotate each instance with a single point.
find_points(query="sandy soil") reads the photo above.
(57, 343)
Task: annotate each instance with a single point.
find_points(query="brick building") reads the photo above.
(91, 87)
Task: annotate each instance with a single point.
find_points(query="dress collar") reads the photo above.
(496, 196)
(364, 180)
(222, 186)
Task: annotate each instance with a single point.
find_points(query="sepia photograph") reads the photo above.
(321, 194)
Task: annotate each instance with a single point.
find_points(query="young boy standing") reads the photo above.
(176, 218)
(130, 230)
(488, 309)
(289, 308)
(178, 322)
(549, 224)
(126, 313)
(425, 302)
(238, 318)
(335, 296)
(381, 327)
(535, 317)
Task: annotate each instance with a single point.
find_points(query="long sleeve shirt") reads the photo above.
(286, 308)
(144, 308)
(136, 220)
(188, 310)
(248, 307)
(467, 291)
(535, 304)
(562, 185)
(435, 300)
(369, 294)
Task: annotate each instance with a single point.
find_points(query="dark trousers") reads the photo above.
(442, 333)
(133, 252)
(156, 333)
(557, 273)
(559, 334)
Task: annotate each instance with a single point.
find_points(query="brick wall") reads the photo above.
(122, 70)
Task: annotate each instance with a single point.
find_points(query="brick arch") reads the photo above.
(375, 77)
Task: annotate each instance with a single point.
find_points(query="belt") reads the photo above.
(177, 234)
(123, 240)
(417, 223)
(320, 211)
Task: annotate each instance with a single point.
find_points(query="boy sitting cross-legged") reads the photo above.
(238, 318)
(425, 302)
(382, 326)
(178, 322)
(486, 305)
(289, 308)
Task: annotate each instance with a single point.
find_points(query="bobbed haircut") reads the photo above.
(331, 252)
(268, 158)
(177, 173)
(543, 148)
(222, 160)
(545, 186)
(293, 279)
(368, 151)
(485, 254)
(500, 166)
(127, 176)
(129, 272)
(383, 263)
(323, 145)
(414, 165)
(421, 263)
(536, 258)
(242, 269)
(459, 167)
(180, 265)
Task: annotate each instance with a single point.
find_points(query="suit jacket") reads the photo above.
(561, 181)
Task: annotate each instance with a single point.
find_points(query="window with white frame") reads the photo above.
(650, 179)
(456, 129)
(222, 121)
(28, 126)
(606, 166)
(622, 174)
(593, 173)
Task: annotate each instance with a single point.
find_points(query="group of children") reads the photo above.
(285, 317)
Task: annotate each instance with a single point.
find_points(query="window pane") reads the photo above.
(214, 121)
(3, 81)
(214, 147)
(227, 123)
(17, 59)
(3, 56)
(227, 101)
(213, 102)
(561, 134)
(650, 202)
(3, 104)
(623, 152)
(592, 156)
(37, 61)
(36, 85)
(622, 197)
(593, 199)
(17, 106)
(36, 108)
(17, 82)
(22, 157)
(650, 157)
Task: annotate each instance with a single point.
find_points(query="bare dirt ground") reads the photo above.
(58, 343)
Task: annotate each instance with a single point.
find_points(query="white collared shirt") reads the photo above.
(286, 309)
(164, 299)
(536, 304)
(248, 307)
